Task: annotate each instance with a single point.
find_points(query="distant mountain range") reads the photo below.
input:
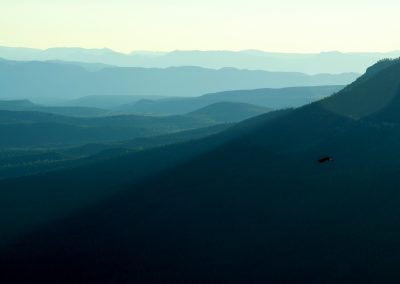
(55, 80)
(269, 98)
(251, 204)
(20, 129)
(26, 105)
(24, 124)
(228, 112)
(109, 102)
(90, 106)
(314, 63)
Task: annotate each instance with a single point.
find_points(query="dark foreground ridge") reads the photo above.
(249, 205)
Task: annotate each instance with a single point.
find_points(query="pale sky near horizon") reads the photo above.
(163, 25)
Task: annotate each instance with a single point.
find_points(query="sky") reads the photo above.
(163, 25)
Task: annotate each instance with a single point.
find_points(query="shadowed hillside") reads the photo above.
(249, 205)
(16, 162)
(36, 129)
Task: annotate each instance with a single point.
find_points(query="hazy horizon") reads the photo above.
(187, 141)
(284, 26)
(154, 51)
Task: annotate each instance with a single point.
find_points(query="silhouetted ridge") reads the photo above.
(248, 205)
(371, 93)
(379, 66)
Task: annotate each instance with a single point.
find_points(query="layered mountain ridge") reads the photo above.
(253, 197)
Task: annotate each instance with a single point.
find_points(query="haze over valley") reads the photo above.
(199, 142)
(332, 62)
